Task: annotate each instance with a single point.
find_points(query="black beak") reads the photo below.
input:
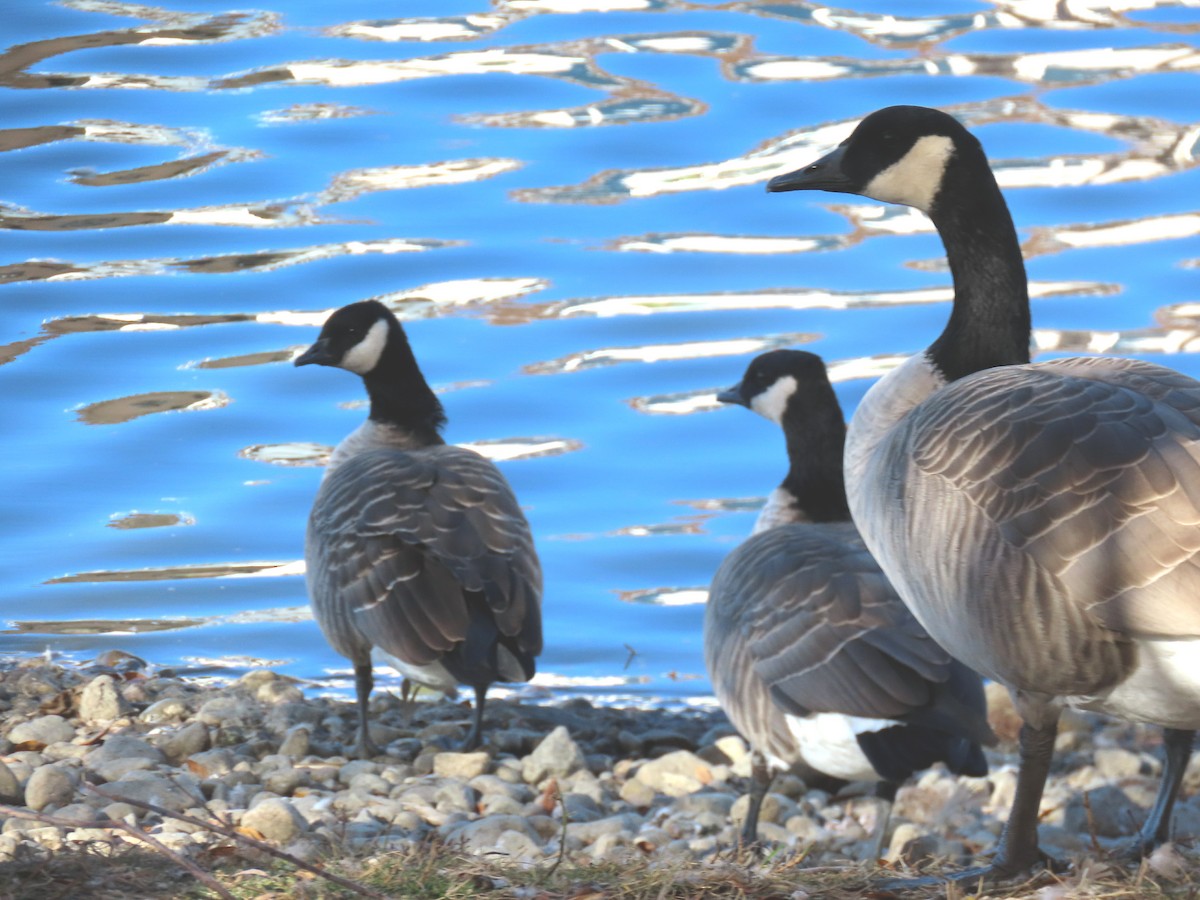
(733, 395)
(823, 175)
(317, 354)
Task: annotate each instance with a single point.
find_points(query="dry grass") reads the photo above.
(433, 870)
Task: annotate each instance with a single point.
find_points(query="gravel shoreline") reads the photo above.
(630, 783)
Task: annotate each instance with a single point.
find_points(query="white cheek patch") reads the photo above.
(364, 356)
(914, 179)
(771, 403)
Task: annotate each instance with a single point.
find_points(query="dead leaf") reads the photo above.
(28, 745)
(196, 769)
(250, 832)
(550, 795)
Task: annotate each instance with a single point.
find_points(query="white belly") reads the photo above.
(828, 743)
(1163, 690)
(432, 676)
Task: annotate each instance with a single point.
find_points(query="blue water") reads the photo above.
(564, 201)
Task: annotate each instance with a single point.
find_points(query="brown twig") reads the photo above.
(346, 883)
(562, 838)
(120, 825)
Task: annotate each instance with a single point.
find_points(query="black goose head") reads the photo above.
(792, 389)
(355, 337)
(900, 154)
(779, 380)
(365, 338)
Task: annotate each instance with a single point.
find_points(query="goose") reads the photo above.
(416, 548)
(811, 654)
(1040, 520)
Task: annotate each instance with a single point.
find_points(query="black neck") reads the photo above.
(989, 325)
(400, 396)
(816, 434)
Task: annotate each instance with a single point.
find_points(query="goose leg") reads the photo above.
(885, 795)
(760, 783)
(475, 735)
(1157, 828)
(364, 681)
(1018, 852)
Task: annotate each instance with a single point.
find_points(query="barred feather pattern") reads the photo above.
(1040, 520)
(414, 550)
(800, 620)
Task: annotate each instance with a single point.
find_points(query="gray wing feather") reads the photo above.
(821, 627)
(397, 537)
(1089, 469)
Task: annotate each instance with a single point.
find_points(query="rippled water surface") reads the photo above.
(564, 201)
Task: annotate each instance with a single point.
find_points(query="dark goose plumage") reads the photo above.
(1040, 520)
(811, 653)
(416, 548)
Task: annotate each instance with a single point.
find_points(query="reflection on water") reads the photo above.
(532, 185)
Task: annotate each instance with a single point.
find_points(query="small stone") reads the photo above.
(461, 765)
(121, 754)
(121, 811)
(637, 793)
(42, 730)
(675, 774)
(283, 781)
(229, 710)
(147, 787)
(212, 763)
(578, 808)
(47, 786)
(589, 831)
(454, 796)
(557, 755)
(169, 709)
(101, 701)
(1112, 814)
(11, 791)
(276, 819)
(1116, 763)
(704, 802)
(295, 742)
(482, 835)
(776, 808)
(187, 741)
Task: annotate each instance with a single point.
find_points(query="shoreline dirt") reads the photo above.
(557, 788)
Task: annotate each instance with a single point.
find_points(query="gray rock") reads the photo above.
(11, 791)
(284, 781)
(369, 783)
(461, 765)
(228, 710)
(168, 709)
(557, 755)
(1112, 814)
(705, 802)
(121, 811)
(500, 804)
(454, 796)
(295, 742)
(43, 730)
(101, 701)
(121, 754)
(276, 819)
(187, 741)
(637, 793)
(213, 763)
(146, 787)
(49, 786)
(285, 716)
(589, 831)
(482, 835)
(518, 847)
(492, 784)
(578, 808)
